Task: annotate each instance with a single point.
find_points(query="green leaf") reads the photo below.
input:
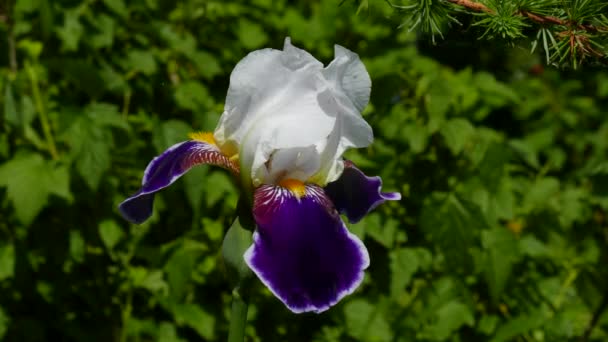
(195, 317)
(170, 133)
(457, 133)
(72, 30)
(382, 232)
(110, 233)
(4, 322)
(501, 253)
(251, 34)
(77, 246)
(207, 64)
(30, 180)
(117, 6)
(519, 325)
(237, 240)
(219, 186)
(7, 262)
(405, 262)
(10, 109)
(168, 333)
(448, 318)
(91, 145)
(417, 136)
(180, 266)
(152, 280)
(365, 322)
(142, 61)
(106, 26)
(193, 96)
(493, 91)
(196, 186)
(452, 224)
(540, 193)
(491, 167)
(107, 115)
(487, 324)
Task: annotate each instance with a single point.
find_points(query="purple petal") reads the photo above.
(166, 169)
(302, 250)
(355, 194)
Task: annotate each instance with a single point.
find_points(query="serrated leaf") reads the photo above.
(456, 132)
(404, 263)
(519, 325)
(4, 322)
(452, 224)
(142, 61)
(381, 231)
(366, 322)
(218, 186)
(30, 180)
(71, 31)
(501, 253)
(193, 96)
(110, 233)
(10, 109)
(168, 333)
(251, 34)
(195, 187)
(117, 6)
(106, 114)
(7, 261)
(539, 193)
(237, 240)
(170, 133)
(77, 246)
(94, 158)
(195, 317)
(206, 64)
(449, 317)
(106, 26)
(179, 269)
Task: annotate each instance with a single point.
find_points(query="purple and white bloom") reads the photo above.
(287, 121)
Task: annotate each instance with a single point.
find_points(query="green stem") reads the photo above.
(44, 120)
(238, 317)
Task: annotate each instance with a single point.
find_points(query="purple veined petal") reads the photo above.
(355, 194)
(302, 250)
(166, 169)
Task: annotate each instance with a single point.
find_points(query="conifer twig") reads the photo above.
(541, 19)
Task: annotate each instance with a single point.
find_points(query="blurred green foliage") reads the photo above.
(502, 234)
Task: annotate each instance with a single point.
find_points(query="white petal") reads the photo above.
(290, 116)
(293, 163)
(347, 95)
(259, 85)
(349, 74)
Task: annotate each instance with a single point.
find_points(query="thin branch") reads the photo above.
(595, 319)
(541, 19)
(12, 50)
(472, 5)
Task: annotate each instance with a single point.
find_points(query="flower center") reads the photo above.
(297, 187)
(206, 137)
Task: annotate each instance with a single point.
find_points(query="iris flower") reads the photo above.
(287, 121)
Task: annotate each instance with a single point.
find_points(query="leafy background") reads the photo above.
(502, 234)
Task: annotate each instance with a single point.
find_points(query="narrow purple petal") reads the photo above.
(166, 169)
(302, 250)
(355, 194)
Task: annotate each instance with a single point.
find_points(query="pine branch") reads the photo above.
(539, 18)
(573, 31)
(472, 5)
